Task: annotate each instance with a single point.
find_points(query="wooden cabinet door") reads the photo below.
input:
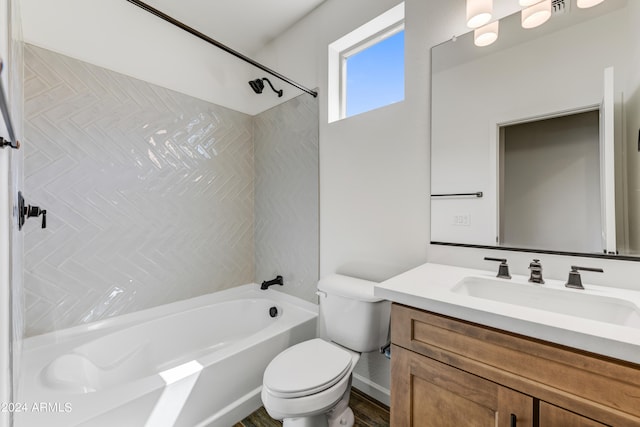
(553, 416)
(428, 393)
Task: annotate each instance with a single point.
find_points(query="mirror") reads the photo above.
(572, 182)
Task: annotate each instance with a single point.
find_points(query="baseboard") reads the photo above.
(372, 389)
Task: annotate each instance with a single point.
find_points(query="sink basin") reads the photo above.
(581, 304)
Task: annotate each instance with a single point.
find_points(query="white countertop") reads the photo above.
(428, 287)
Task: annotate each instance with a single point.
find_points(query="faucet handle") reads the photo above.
(575, 281)
(503, 268)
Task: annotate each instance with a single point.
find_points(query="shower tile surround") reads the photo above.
(286, 195)
(151, 195)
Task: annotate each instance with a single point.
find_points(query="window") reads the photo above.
(374, 76)
(366, 67)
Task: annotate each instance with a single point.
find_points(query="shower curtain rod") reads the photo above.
(4, 106)
(216, 43)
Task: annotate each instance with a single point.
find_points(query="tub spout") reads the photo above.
(277, 281)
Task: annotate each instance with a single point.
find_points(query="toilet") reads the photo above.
(308, 384)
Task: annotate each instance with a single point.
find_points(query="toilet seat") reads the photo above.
(306, 369)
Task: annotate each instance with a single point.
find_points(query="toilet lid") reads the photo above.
(306, 368)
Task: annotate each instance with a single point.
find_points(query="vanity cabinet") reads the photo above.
(448, 372)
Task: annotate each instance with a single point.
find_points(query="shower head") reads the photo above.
(258, 86)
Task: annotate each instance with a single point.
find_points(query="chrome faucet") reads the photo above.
(575, 281)
(536, 272)
(503, 268)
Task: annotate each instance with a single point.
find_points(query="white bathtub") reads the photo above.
(197, 362)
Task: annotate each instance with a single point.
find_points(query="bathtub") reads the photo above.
(197, 362)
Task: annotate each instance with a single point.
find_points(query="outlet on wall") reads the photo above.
(463, 219)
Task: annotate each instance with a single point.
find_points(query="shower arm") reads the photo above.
(279, 92)
(219, 45)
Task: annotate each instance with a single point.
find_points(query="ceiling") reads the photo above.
(243, 25)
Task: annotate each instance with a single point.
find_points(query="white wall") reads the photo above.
(121, 37)
(367, 175)
(374, 167)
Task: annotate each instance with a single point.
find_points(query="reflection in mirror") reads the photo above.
(549, 177)
(524, 122)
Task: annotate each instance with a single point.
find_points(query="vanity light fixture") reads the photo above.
(536, 15)
(486, 34)
(478, 12)
(584, 4)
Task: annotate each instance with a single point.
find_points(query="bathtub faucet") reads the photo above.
(277, 281)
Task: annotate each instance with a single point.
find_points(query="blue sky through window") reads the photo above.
(375, 76)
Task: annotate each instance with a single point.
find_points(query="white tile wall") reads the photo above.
(286, 208)
(149, 194)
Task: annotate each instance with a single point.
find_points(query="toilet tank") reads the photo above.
(350, 315)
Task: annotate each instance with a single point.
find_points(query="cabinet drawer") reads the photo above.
(600, 388)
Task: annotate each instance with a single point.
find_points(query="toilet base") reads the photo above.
(340, 415)
(313, 421)
(344, 419)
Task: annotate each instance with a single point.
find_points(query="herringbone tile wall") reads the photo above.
(286, 206)
(149, 194)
